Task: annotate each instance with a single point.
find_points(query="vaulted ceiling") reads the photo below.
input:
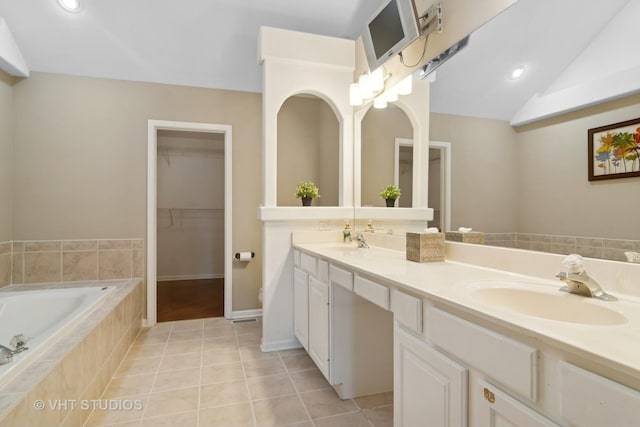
(213, 43)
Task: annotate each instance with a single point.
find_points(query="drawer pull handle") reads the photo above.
(488, 394)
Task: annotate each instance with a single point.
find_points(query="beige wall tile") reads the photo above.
(43, 246)
(138, 264)
(90, 362)
(79, 266)
(5, 269)
(47, 391)
(115, 244)
(17, 416)
(42, 267)
(137, 244)
(114, 264)
(5, 247)
(627, 245)
(17, 268)
(71, 377)
(79, 245)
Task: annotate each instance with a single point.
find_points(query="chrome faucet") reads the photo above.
(577, 281)
(361, 242)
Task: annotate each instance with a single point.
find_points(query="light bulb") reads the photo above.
(355, 98)
(379, 102)
(366, 91)
(70, 5)
(377, 79)
(517, 72)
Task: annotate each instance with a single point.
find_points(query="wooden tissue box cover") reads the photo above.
(469, 237)
(425, 247)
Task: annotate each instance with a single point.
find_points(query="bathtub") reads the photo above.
(42, 316)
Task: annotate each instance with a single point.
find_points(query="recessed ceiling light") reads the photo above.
(71, 5)
(517, 72)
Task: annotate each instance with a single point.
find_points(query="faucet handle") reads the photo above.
(574, 263)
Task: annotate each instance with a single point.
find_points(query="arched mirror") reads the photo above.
(308, 150)
(385, 158)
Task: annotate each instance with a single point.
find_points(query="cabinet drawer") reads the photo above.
(486, 350)
(296, 258)
(590, 400)
(372, 291)
(309, 264)
(496, 408)
(407, 310)
(323, 271)
(342, 277)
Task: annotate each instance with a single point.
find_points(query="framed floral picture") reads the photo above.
(614, 150)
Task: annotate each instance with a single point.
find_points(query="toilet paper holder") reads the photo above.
(241, 256)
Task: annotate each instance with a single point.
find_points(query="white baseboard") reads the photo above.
(245, 314)
(190, 277)
(280, 345)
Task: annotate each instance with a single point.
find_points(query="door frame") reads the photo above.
(445, 175)
(153, 127)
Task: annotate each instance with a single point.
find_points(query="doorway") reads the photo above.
(439, 179)
(188, 205)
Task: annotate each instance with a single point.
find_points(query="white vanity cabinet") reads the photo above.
(495, 408)
(319, 324)
(429, 387)
(301, 306)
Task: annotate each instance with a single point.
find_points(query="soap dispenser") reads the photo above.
(346, 233)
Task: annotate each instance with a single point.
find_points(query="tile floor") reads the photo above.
(212, 373)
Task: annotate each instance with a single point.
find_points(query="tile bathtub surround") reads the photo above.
(591, 247)
(212, 372)
(77, 367)
(5, 263)
(43, 261)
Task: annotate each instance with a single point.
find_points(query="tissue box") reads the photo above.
(425, 247)
(469, 237)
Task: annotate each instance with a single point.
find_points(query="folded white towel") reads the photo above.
(464, 229)
(431, 230)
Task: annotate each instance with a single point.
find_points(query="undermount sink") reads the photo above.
(560, 307)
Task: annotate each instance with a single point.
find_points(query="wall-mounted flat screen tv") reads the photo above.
(390, 30)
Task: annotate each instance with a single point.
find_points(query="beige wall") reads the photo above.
(80, 159)
(308, 150)
(380, 128)
(6, 155)
(484, 171)
(555, 195)
(533, 179)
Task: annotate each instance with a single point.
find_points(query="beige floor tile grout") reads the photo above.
(226, 346)
(244, 374)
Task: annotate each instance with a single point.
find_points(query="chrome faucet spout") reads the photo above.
(582, 284)
(361, 242)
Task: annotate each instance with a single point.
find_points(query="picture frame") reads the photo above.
(614, 150)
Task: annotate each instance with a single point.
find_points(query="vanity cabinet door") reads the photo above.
(496, 408)
(430, 389)
(301, 306)
(319, 324)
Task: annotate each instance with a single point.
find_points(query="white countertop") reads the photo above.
(616, 346)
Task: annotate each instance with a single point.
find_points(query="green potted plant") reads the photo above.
(390, 194)
(307, 191)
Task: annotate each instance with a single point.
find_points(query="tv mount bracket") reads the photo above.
(431, 20)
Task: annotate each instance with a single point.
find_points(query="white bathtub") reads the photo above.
(43, 316)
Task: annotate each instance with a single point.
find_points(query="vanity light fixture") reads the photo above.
(73, 6)
(517, 72)
(371, 85)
